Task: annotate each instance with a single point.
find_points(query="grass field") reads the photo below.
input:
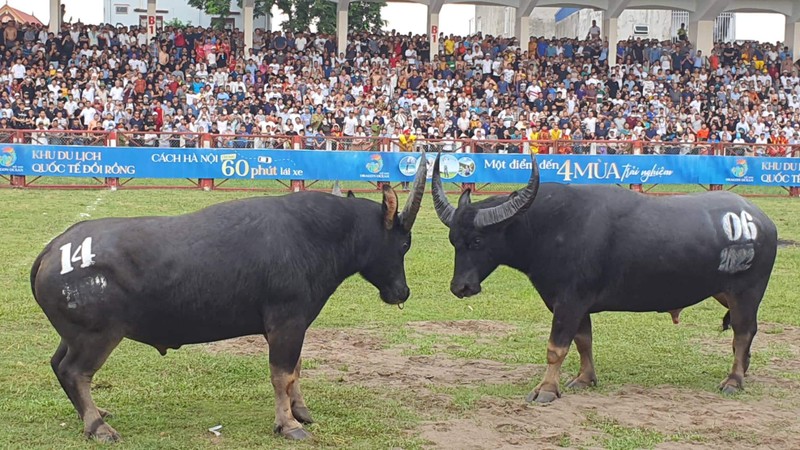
(442, 372)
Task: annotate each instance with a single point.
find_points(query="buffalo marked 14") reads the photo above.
(82, 254)
(264, 265)
(588, 249)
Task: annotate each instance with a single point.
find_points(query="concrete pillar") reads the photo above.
(248, 7)
(55, 16)
(342, 9)
(791, 38)
(522, 28)
(151, 20)
(611, 32)
(701, 35)
(433, 32)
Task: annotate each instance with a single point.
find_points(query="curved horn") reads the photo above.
(414, 201)
(516, 204)
(444, 209)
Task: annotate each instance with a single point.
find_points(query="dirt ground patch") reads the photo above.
(783, 338)
(570, 421)
(362, 357)
(463, 327)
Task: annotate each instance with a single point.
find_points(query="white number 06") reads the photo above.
(739, 226)
(83, 254)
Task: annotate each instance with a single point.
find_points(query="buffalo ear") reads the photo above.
(465, 198)
(389, 207)
(350, 194)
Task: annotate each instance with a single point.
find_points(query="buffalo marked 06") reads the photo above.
(625, 251)
(263, 265)
(739, 226)
(736, 258)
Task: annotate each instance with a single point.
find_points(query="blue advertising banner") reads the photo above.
(255, 164)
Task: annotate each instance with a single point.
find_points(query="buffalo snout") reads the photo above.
(464, 289)
(396, 295)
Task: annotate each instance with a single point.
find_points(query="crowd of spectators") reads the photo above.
(663, 96)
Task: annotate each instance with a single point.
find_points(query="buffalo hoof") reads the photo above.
(104, 433)
(297, 434)
(302, 414)
(730, 388)
(542, 397)
(581, 383)
(103, 413)
(731, 385)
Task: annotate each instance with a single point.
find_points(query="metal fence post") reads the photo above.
(206, 184)
(18, 180)
(297, 185)
(717, 150)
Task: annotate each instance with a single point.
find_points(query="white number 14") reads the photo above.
(83, 254)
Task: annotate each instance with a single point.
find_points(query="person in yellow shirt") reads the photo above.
(449, 47)
(534, 137)
(407, 141)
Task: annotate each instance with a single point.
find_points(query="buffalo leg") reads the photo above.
(285, 345)
(84, 357)
(744, 311)
(565, 326)
(55, 361)
(583, 341)
(299, 409)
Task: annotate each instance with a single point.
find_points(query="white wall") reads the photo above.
(493, 21)
(174, 9)
(543, 22)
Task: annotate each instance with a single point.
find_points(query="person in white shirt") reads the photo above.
(350, 124)
(18, 70)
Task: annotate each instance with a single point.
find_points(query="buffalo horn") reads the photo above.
(414, 201)
(514, 205)
(444, 209)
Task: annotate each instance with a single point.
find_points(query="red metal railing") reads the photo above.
(379, 144)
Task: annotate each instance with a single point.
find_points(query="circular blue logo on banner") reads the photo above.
(449, 167)
(466, 166)
(408, 165)
(375, 163)
(8, 157)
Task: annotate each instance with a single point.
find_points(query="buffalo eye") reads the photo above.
(476, 243)
(406, 246)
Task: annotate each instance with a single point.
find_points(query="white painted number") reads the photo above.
(739, 226)
(83, 254)
(240, 167)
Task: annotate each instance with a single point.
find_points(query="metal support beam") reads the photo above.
(708, 10)
(701, 34)
(616, 7)
(522, 22)
(248, 10)
(151, 20)
(791, 38)
(434, 8)
(55, 16)
(342, 9)
(611, 32)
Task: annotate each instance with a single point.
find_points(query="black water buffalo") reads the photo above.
(262, 265)
(588, 249)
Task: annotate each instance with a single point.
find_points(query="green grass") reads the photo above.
(170, 402)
